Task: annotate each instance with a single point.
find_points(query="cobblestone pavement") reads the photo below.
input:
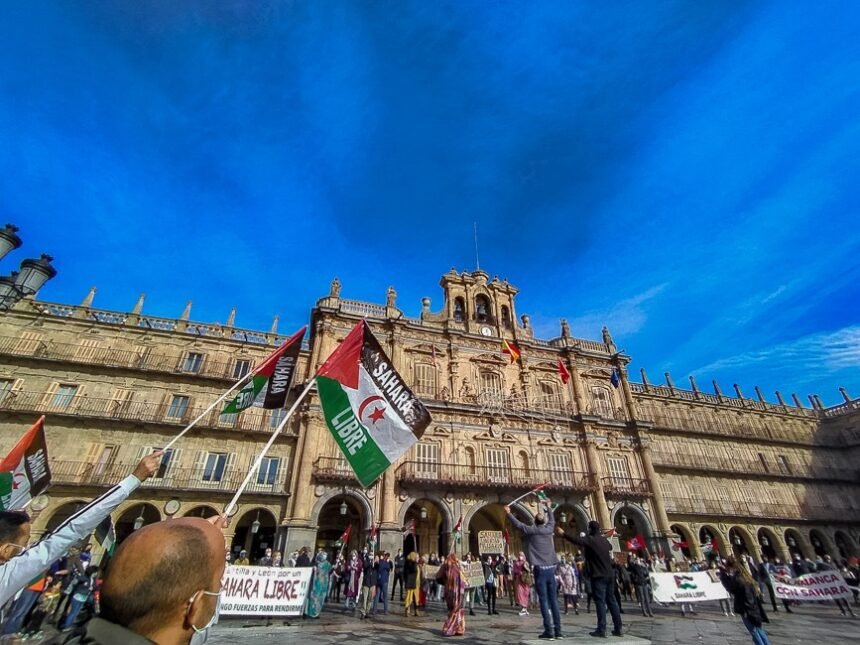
(808, 624)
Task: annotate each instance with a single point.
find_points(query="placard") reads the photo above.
(265, 591)
(687, 586)
(491, 542)
(430, 571)
(824, 585)
(474, 573)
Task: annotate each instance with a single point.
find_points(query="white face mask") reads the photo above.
(201, 634)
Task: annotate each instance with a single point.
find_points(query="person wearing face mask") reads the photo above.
(163, 586)
(266, 560)
(543, 559)
(20, 564)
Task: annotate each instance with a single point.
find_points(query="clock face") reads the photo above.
(40, 502)
(486, 331)
(172, 506)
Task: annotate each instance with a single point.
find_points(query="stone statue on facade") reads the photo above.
(391, 298)
(335, 288)
(565, 328)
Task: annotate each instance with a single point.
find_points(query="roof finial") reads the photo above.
(844, 394)
(477, 259)
(138, 307)
(231, 319)
(186, 313)
(274, 329)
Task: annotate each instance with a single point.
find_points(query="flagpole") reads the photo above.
(229, 508)
(534, 490)
(207, 410)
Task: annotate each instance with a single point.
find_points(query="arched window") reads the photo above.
(506, 317)
(602, 401)
(471, 466)
(491, 383)
(523, 464)
(459, 309)
(425, 380)
(482, 308)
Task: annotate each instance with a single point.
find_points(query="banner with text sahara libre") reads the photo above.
(372, 414)
(824, 585)
(687, 586)
(265, 591)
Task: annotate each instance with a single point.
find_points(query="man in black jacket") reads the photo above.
(598, 567)
(398, 574)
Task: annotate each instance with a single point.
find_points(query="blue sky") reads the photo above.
(684, 172)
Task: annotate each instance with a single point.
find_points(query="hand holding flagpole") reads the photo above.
(531, 492)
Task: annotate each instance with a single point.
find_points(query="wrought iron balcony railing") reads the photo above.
(227, 480)
(752, 467)
(251, 420)
(739, 508)
(626, 487)
(499, 477)
(333, 470)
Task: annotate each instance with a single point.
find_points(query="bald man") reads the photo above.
(162, 586)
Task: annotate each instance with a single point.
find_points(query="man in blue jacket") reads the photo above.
(383, 568)
(540, 552)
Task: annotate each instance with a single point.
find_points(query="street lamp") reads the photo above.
(624, 519)
(343, 508)
(32, 275)
(791, 541)
(765, 541)
(423, 512)
(737, 540)
(255, 525)
(138, 522)
(9, 241)
(563, 517)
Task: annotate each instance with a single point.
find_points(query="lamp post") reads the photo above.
(9, 241)
(255, 525)
(31, 276)
(344, 509)
(423, 512)
(138, 521)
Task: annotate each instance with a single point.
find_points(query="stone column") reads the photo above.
(578, 388)
(301, 486)
(657, 494)
(627, 392)
(601, 510)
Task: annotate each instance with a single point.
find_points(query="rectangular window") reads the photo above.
(241, 367)
(104, 462)
(490, 382)
(64, 395)
(164, 466)
(178, 406)
(193, 362)
(497, 464)
(618, 470)
(560, 464)
(786, 467)
(216, 462)
(602, 402)
(425, 380)
(227, 419)
(763, 462)
(428, 460)
(268, 472)
(278, 415)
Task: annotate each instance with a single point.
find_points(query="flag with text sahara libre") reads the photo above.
(24, 473)
(370, 411)
(276, 371)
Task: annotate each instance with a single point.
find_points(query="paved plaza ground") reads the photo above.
(808, 624)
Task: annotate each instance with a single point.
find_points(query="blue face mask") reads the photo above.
(201, 634)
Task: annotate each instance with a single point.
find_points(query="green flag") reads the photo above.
(371, 413)
(276, 372)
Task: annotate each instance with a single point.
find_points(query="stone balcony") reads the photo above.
(699, 463)
(720, 509)
(456, 476)
(626, 487)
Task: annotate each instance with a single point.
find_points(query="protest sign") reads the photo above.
(265, 591)
(430, 571)
(687, 586)
(491, 543)
(824, 585)
(474, 573)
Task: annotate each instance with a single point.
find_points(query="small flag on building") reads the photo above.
(563, 373)
(511, 350)
(507, 536)
(343, 539)
(409, 529)
(371, 539)
(370, 411)
(275, 374)
(24, 473)
(105, 535)
(615, 379)
(458, 530)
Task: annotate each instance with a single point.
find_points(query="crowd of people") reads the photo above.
(165, 580)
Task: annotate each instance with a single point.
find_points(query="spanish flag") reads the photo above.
(512, 350)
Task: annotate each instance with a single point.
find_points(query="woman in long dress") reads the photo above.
(522, 583)
(451, 576)
(568, 584)
(353, 573)
(319, 586)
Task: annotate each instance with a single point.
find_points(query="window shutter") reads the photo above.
(49, 394)
(17, 386)
(226, 482)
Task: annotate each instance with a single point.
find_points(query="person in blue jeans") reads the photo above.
(81, 594)
(598, 567)
(747, 599)
(383, 568)
(541, 555)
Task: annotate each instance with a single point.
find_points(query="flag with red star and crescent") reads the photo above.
(24, 473)
(372, 414)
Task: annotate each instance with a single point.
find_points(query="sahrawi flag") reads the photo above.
(24, 473)
(372, 414)
(105, 535)
(543, 499)
(276, 372)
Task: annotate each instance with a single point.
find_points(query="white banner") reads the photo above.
(687, 586)
(825, 585)
(491, 542)
(265, 591)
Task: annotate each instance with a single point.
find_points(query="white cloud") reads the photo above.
(623, 318)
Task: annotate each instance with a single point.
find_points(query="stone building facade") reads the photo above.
(680, 467)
